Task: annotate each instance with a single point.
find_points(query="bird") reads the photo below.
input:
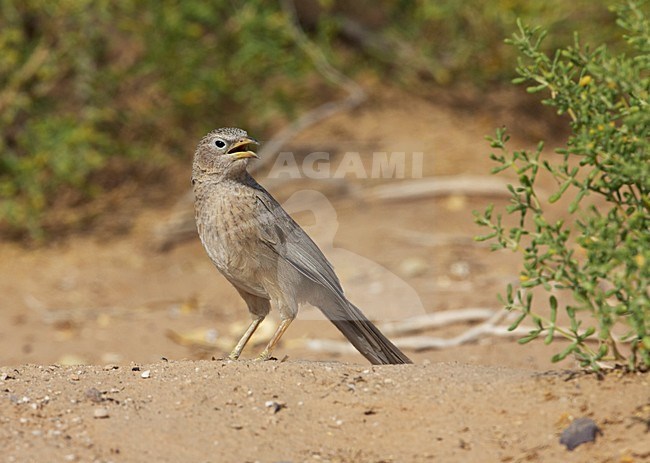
(265, 254)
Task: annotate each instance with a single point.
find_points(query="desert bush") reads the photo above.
(600, 254)
(84, 81)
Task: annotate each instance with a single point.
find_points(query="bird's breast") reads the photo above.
(227, 228)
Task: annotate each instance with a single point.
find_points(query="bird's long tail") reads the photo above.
(366, 337)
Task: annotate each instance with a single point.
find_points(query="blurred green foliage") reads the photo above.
(598, 255)
(83, 83)
(464, 41)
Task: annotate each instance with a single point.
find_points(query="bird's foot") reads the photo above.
(234, 356)
(264, 356)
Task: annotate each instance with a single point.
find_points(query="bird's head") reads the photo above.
(224, 151)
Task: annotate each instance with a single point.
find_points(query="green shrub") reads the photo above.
(456, 42)
(600, 254)
(85, 81)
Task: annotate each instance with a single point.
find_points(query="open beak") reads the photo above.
(244, 148)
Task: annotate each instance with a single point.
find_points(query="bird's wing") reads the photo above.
(290, 242)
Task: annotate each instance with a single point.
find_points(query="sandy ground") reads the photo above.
(213, 411)
(106, 343)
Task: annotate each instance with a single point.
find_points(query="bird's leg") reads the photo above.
(236, 352)
(266, 353)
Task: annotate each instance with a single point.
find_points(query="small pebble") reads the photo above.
(145, 374)
(274, 406)
(580, 431)
(101, 413)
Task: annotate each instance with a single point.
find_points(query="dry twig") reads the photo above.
(433, 187)
(490, 327)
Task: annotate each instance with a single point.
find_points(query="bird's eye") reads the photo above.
(219, 143)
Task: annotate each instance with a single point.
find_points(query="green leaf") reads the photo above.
(536, 88)
(526, 339)
(516, 323)
(558, 194)
(590, 331)
(562, 355)
(485, 237)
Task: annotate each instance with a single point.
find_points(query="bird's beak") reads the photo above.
(244, 148)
